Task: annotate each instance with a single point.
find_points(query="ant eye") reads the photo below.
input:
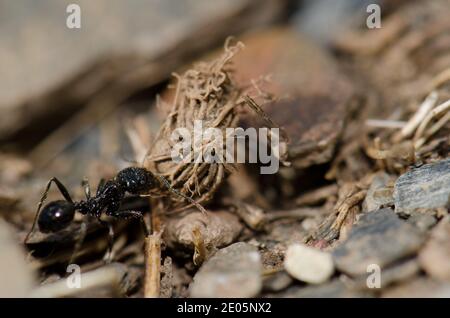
(56, 216)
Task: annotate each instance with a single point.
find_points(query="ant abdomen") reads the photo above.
(56, 216)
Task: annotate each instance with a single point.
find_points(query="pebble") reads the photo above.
(378, 195)
(308, 264)
(16, 277)
(423, 221)
(217, 229)
(234, 271)
(333, 289)
(424, 188)
(379, 237)
(435, 256)
(277, 281)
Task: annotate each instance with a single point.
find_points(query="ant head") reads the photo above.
(136, 180)
(56, 216)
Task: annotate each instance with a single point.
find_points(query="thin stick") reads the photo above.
(381, 123)
(435, 112)
(152, 279)
(432, 130)
(423, 111)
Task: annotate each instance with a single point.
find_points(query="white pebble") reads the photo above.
(308, 264)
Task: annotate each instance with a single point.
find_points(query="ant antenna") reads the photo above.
(171, 189)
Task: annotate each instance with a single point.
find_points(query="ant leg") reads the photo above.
(87, 188)
(61, 189)
(128, 214)
(100, 186)
(175, 191)
(81, 236)
(108, 255)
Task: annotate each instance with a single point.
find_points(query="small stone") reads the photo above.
(435, 256)
(378, 195)
(380, 238)
(424, 188)
(217, 229)
(333, 289)
(421, 287)
(16, 277)
(308, 264)
(277, 281)
(422, 221)
(234, 271)
(402, 272)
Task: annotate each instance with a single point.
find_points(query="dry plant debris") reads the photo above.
(205, 93)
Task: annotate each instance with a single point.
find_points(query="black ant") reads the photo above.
(58, 215)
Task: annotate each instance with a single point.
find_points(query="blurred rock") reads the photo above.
(422, 221)
(277, 281)
(378, 195)
(16, 278)
(334, 289)
(423, 189)
(49, 69)
(419, 288)
(399, 273)
(380, 238)
(234, 271)
(313, 94)
(308, 264)
(435, 256)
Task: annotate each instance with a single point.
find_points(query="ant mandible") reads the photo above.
(58, 215)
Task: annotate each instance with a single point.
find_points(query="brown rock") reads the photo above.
(217, 229)
(313, 94)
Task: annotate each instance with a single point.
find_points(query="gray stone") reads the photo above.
(277, 281)
(379, 237)
(424, 188)
(422, 221)
(334, 289)
(234, 271)
(399, 273)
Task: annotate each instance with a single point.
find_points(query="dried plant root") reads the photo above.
(351, 196)
(205, 93)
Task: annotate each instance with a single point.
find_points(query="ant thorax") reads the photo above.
(108, 197)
